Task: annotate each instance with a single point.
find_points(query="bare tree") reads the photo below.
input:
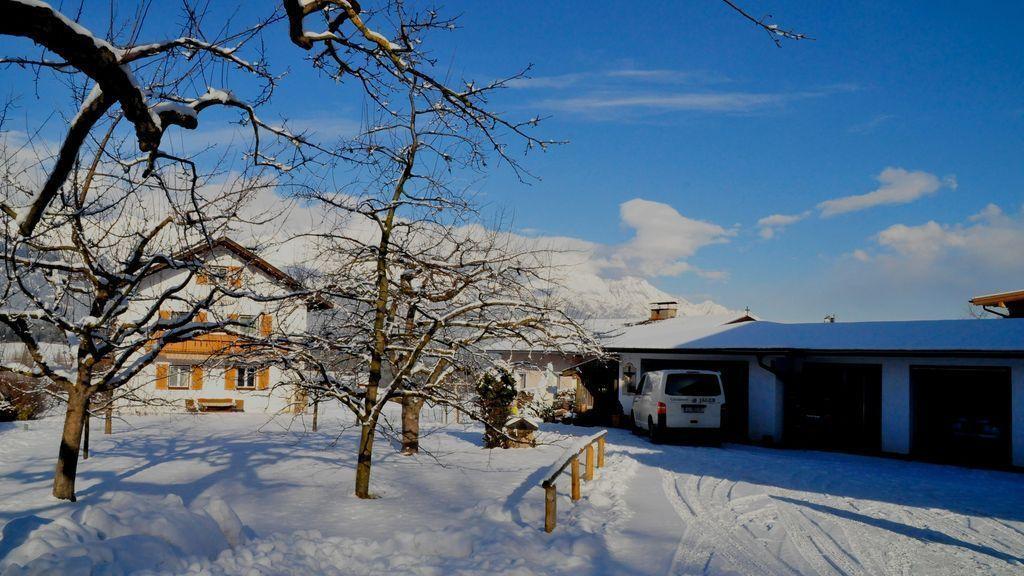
(80, 239)
(425, 290)
(78, 244)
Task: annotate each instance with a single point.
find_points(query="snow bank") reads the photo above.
(484, 539)
(122, 535)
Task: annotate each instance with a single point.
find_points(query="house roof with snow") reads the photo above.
(948, 337)
(244, 254)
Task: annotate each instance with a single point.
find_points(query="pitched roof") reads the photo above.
(246, 255)
(970, 337)
(249, 257)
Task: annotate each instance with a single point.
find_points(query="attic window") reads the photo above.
(216, 274)
(249, 325)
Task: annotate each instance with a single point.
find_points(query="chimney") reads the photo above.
(664, 310)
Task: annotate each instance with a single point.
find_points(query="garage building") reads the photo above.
(946, 390)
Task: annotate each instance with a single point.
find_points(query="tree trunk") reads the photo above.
(108, 419)
(365, 460)
(411, 408)
(85, 433)
(316, 406)
(70, 444)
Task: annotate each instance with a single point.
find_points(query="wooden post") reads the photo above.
(590, 463)
(549, 507)
(600, 452)
(575, 477)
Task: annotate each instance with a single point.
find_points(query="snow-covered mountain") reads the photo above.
(629, 297)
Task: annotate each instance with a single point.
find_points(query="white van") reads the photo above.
(669, 401)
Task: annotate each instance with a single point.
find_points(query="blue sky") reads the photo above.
(934, 87)
(687, 127)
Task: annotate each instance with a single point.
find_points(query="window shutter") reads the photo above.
(235, 275)
(165, 314)
(266, 325)
(201, 316)
(230, 378)
(202, 278)
(197, 377)
(161, 376)
(263, 378)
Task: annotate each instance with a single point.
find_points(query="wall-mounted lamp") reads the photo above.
(629, 377)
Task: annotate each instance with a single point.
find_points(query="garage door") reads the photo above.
(961, 415)
(734, 380)
(833, 406)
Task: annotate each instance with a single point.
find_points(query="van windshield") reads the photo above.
(692, 385)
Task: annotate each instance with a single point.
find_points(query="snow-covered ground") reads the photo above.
(236, 494)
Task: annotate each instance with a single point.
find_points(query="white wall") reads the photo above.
(896, 406)
(288, 317)
(271, 400)
(766, 410)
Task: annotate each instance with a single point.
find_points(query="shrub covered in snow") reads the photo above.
(497, 392)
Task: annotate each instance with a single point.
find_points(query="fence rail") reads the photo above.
(571, 459)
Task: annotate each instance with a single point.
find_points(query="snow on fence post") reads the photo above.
(571, 456)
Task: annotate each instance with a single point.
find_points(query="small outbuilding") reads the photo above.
(522, 431)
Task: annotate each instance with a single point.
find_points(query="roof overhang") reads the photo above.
(823, 352)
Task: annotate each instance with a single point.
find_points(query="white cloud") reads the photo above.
(921, 270)
(898, 186)
(628, 93)
(769, 226)
(871, 125)
(990, 238)
(607, 78)
(609, 101)
(661, 245)
(663, 240)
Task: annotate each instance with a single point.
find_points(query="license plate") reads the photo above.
(693, 409)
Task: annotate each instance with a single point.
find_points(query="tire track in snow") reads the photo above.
(817, 546)
(745, 554)
(693, 548)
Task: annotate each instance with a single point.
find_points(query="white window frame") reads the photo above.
(177, 372)
(251, 328)
(245, 374)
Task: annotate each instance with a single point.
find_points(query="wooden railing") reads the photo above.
(571, 458)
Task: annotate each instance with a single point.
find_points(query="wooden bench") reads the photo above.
(215, 405)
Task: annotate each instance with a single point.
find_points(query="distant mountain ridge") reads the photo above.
(630, 297)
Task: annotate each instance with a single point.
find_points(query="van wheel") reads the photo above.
(653, 432)
(633, 426)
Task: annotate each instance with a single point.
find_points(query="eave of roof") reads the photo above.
(823, 352)
(249, 257)
(245, 254)
(999, 299)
